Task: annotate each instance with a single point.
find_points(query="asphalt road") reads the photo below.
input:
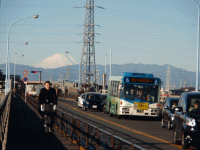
(143, 131)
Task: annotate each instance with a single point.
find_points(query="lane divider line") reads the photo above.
(141, 133)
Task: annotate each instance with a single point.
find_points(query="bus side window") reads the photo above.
(111, 89)
(119, 89)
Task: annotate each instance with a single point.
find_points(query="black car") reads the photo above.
(104, 97)
(91, 100)
(168, 112)
(187, 120)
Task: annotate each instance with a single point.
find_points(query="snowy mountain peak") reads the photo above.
(56, 61)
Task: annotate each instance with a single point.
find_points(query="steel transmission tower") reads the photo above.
(87, 65)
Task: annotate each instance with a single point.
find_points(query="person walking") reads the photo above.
(48, 96)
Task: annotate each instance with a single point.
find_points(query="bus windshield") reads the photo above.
(143, 92)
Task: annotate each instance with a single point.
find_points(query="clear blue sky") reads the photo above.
(140, 31)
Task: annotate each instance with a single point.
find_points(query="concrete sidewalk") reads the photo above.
(26, 131)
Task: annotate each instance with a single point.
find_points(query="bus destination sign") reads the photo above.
(140, 80)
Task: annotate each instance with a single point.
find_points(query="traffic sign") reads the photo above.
(25, 73)
(25, 79)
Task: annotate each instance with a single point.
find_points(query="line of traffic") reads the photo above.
(124, 127)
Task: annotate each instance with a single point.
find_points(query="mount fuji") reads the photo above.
(56, 61)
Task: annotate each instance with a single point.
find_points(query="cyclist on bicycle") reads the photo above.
(48, 96)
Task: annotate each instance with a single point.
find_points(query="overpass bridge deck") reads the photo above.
(26, 131)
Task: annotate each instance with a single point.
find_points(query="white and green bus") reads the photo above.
(134, 94)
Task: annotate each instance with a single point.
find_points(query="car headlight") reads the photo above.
(172, 117)
(87, 102)
(190, 122)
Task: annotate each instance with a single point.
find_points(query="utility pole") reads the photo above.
(60, 78)
(105, 64)
(87, 65)
(68, 73)
(174, 86)
(184, 83)
(180, 83)
(40, 77)
(168, 79)
(198, 41)
(98, 71)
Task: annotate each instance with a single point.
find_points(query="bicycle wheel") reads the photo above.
(46, 126)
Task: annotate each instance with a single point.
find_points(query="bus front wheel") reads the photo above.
(110, 111)
(118, 116)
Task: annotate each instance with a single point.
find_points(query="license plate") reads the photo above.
(94, 106)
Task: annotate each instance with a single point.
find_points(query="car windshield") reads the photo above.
(173, 104)
(194, 104)
(93, 96)
(142, 92)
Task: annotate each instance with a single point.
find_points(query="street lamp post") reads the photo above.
(110, 58)
(15, 68)
(197, 71)
(110, 55)
(15, 59)
(7, 86)
(105, 63)
(79, 77)
(104, 84)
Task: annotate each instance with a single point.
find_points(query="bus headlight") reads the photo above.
(125, 109)
(190, 122)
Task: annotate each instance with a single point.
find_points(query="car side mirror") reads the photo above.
(166, 107)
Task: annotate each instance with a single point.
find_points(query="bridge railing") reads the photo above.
(86, 135)
(5, 107)
(32, 101)
(89, 136)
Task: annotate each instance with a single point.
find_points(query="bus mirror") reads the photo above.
(120, 87)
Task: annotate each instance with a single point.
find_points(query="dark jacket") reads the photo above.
(47, 96)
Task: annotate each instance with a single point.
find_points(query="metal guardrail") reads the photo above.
(89, 136)
(85, 134)
(32, 101)
(5, 105)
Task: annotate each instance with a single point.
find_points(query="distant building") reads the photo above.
(2, 77)
(181, 90)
